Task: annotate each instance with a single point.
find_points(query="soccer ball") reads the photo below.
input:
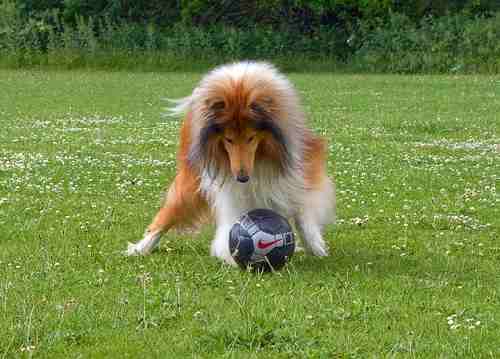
(261, 240)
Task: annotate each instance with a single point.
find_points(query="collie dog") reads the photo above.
(243, 145)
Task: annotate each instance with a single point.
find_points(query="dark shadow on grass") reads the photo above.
(370, 262)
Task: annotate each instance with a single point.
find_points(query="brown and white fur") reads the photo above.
(244, 144)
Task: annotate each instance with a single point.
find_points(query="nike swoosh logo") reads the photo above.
(265, 245)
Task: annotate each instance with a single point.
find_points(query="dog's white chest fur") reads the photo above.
(267, 188)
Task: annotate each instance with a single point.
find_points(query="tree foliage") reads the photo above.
(300, 14)
(379, 35)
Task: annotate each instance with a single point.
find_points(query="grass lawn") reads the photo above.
(415, 255)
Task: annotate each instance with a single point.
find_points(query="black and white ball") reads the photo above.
(261, 240)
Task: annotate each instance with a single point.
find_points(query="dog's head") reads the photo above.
(242, 114)
(238, 135)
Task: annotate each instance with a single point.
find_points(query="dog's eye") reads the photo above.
(228, 140)
(218, 106)
(251, 139)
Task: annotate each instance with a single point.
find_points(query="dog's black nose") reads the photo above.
(243, 178)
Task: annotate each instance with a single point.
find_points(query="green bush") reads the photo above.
(377, 38)
(445, 44)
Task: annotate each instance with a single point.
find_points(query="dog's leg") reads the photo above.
(310, 232)
(229, 208)
(183, 205)
(220, 244)
(162, 222)
(317, 212)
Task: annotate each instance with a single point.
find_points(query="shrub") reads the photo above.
(386, 42)
(445, 44)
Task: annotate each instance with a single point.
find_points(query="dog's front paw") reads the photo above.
(145, 246)
(320, 251)
(229, 261)
(317, 248)
(133, 249)
(225, 256)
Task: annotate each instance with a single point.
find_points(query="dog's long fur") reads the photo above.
(244, 144)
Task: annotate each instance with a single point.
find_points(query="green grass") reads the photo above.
(413, 270)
